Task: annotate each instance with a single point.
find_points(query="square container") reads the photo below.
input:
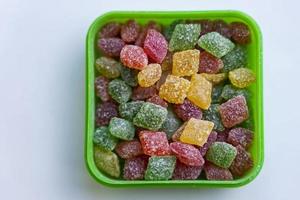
(165, 18)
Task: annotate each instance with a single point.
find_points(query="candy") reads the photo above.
(149, 75)
(206, 26)
(242, 162)
(130, 31)
(223, 135)
(155, 46)
(240, 136)
(213, 115)
(214, 78)
(241, 77)
(129, 76)
(174, 90)
(216, 44)
(186, 63)
(223, 28)
(187, 110)
(107, 161)
(108, 67)
(111, 29)
(240, 33)
(111, 46)
(121, 128)
(196, 132)
(235, 59)
(230, 91)
(187, 154)
(158, 101)
(184, 37)
(216, 94)
(141, 38)
(200, 91)
(210, 140)
(134, 168)
(103, 138)
(213, 172)
(209, 63)
(185, 172)
(171, 124)
(130, 109)
(234, 111)
(167, 63)
(142, 93)
(129, 149)
(119, 91)
(168, 31)
(150, 116)
(104, 112)
(154, 143)
(221, 154)
(101, 86)
(160, 167)
(133, 57)
(178, 132)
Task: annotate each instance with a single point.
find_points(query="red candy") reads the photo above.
(111, 29)
(141, 38)
(187, 110)
(213, 172)
(154, 143)
(129, 149)
(211, 139)
(240, 33)
(241, 163)
(142, 93)
(130, 31)
(209, 63)
(101, 85)
(104, 112)
(158, 101)
(134, 168)
(185, 172)
(111, 46)
(133, 57)
(240, 136)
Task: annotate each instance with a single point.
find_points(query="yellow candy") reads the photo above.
(149, 75)
(214, 78)
(241, 77)
(186, 63)
(175, 89)
(196, 131)
(200, 91)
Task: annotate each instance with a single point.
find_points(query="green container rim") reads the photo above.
(90, 99)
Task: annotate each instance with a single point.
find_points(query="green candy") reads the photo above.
(121, 128)
(104, 139)
(235, 59)
(160, 168)
(216, 44)
(171, 124)
(168, 31)
(119, 91)
(221, 154)
(129, 76)
(184, 37)
(216, 93)
(130, 109)
(108, 67)
(229, 91)
(212, 114)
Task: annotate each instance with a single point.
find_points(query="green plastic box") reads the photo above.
(165, 18)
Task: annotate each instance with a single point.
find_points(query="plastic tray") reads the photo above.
(165, 18)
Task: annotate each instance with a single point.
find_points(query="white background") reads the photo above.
(42, 65)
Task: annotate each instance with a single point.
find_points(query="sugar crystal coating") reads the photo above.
(108, 67)
(171, 124)
(142, 93)
(185, 172)
(101, 87)
(133, 57)
(158, 101)
(213, 172)
(214, 78)
(104, 112)
(121, 128)
(104, 139)
(240, 33)
(241, 77)
(187, 154)
(129, 149)
(242, 162)
(111, 46)
(178, 132)
(143, 33)
(209, 63)
(213, 115)
(134, 168)
(229, 91)
(186, 63)
(223, 28)
(111, 29)
(149, 75)
(130, 31)
(119, 90)
(187, 110)
(210, 140)
(240, 136)
(129, 76)
(222, 135)
(130, 109)
(160, 167)
(168, 31)
(221, 154)
(235, 59)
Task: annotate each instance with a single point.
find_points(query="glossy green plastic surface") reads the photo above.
(165, 18)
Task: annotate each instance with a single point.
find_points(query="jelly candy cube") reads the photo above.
(187, 110)
(167, 63)
(216, 44)
(221, 154)
(150, 116)
(209, 63)
(142, 93)
(130, 109)
(184, 37)
(155, 46)
(185, 172)
(119, 91)
(171, 124)
(210, 140)
(149, 75)
(121, 128)
(200, 91)
(241, 77)
(230, 91)
(187, 154)
(158, 101)
(213, 172)
(213, 115)
(107, 161)
(101, 86)
(104, 112)
(129, 76)
(186, 63)
(214, 78)
(216, 94)
(242, 162)
(130, 31)
(108, 67)
(129, 149)
(160, 167)
(134, 168)
(235, 59)
(234, 111)
(104, 139)
(174, 90)
(133, 57)
(154, 143)
(240, 33)
(222, 135)
(111, 46)
(168, 31)
(223, 28)
(142, 35)
(111, 29)
(240, 136)
(196, 132)
(178, 132)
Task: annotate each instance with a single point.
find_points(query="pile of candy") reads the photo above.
(173, 101)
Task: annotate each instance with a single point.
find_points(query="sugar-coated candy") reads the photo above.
(142, 93)
(119, 90)
(107, 161)
(121, 128)
(167, 63)
(230, 91)
(108, 67)
(111, 29)
(196, 132)
(134, 168)
(221, 154)
(187, 154)
(213, 172)
(214, 78)
(213, 115)
(223, 28)
(186, 63)
(111, 46)
(143, 33)
(154, 143)
(200, 91)
(235, 59)
(101, 86)
(184, 37)
(242, 162)
(129, 149)
(104, 112)
(185, 172)
(216, 44)
(129, 76)
(187, 110)
(206, 26)
(104, 139)
(133, 57)
(240, 136)
(155, 46)
(222, 135)
(240, 33)
(175, 89)
(171, 124)
(211, 139)
(209, 63)
(149, 75)
(130, 31)
(216, 94)
(234, 111)
(241, 77)
(178, 132)
(150, 116)
(130, 109)
(168, 31)
(158, 101)
(160, 167)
